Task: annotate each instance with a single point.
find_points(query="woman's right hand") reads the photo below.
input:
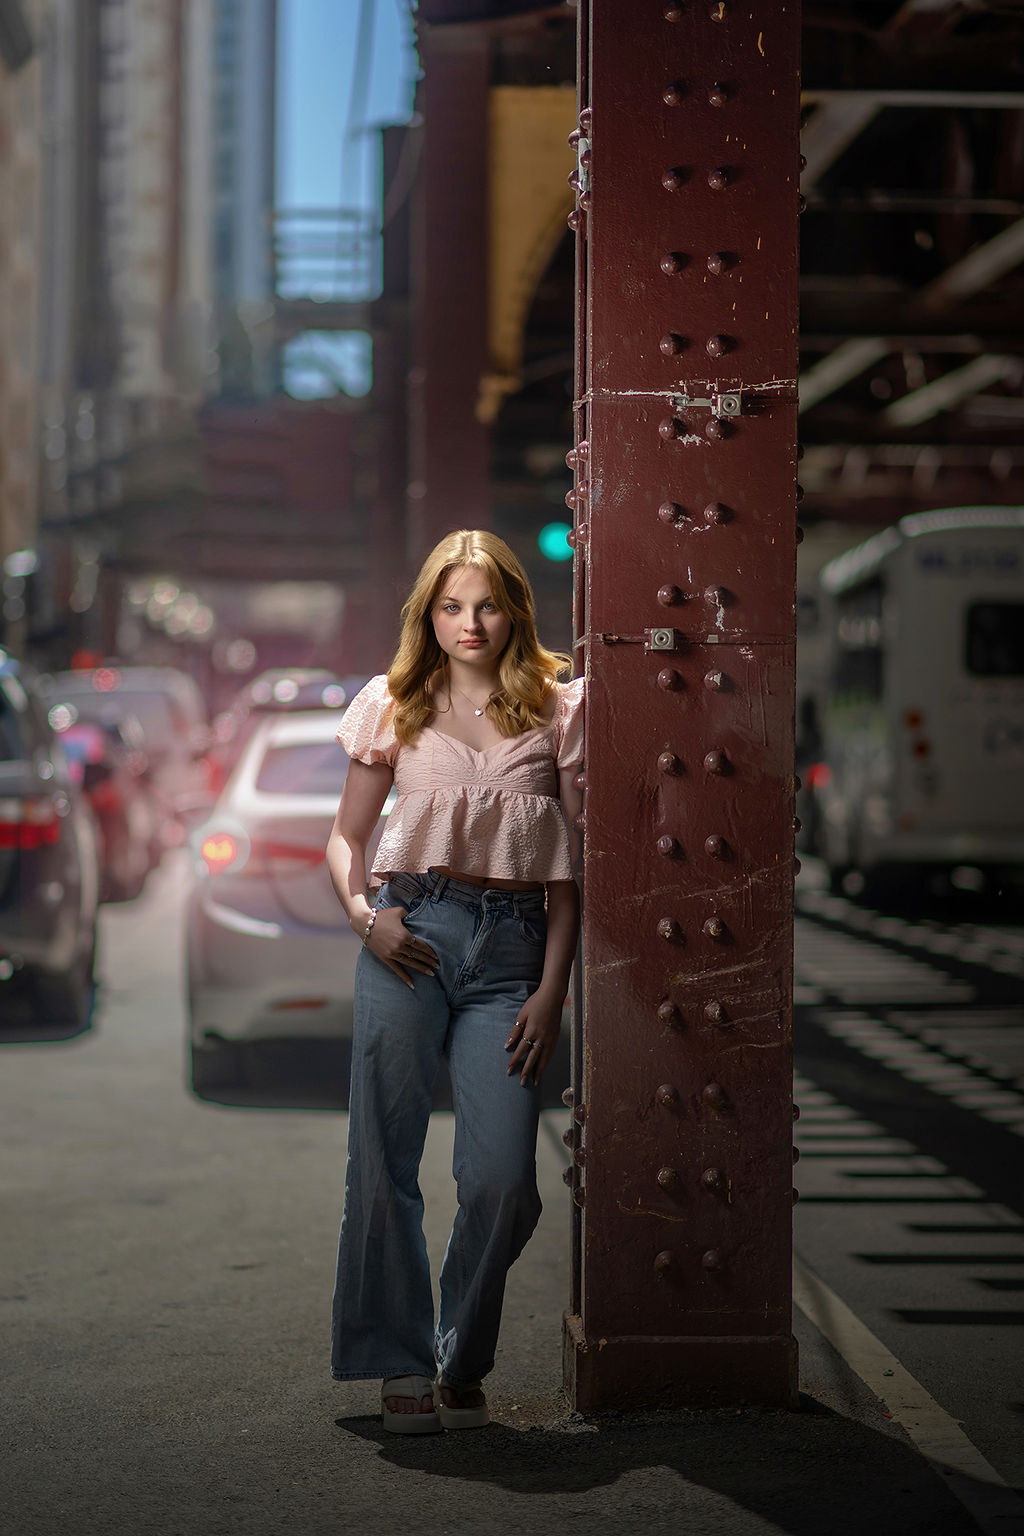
(400, 950)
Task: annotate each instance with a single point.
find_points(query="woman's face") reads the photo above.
(468, 624)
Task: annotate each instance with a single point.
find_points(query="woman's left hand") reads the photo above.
(534, 1037)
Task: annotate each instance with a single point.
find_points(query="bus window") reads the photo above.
(857, 669)
(995, 639)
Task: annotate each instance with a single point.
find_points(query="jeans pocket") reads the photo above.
(404, 891)
(533, 927)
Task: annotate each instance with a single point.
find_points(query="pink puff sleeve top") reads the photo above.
(495, 813)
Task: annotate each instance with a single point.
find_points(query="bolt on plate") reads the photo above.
(664, 639)
(724, 403)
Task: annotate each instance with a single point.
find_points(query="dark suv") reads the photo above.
(49, 873)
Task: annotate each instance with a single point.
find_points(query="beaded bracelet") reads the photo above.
(369, 927)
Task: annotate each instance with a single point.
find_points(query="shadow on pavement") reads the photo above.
(806, 1472)
(19, 1025)
(982, 1151)
(314, 1074)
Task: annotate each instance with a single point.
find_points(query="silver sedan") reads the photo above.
(270, 954)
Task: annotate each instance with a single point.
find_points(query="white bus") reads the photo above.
(922, 762)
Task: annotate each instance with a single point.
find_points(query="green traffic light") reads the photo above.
(553, 541)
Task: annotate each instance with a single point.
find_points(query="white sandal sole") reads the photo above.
(416, 1387)
(462, 1418)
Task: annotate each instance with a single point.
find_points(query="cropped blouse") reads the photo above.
(493, 813)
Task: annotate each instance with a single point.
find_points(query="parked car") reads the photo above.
(170, 709)
(270, 954)
(49, 863)
(281, 690)
(113, 775)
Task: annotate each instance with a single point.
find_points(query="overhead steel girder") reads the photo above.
(954, 386)
(981, 266)
(842, 115)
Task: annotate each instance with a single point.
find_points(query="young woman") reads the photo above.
(467, 952)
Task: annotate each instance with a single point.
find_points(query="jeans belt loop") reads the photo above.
(438, 891)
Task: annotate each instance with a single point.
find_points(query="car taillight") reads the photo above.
(229, 850)
(920, 746)
(223, 851)
(105, 796)
(819, 776)
(32, 822)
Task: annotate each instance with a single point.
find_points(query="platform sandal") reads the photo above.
(461, 1418)
(419, 1423)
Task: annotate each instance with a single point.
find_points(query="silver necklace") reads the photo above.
(469, 701)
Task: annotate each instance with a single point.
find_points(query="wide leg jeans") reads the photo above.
(490, 946)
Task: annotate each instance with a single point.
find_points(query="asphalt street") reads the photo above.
(165, 1281)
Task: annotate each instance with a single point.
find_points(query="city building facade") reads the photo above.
(137, 279)
(20, 187)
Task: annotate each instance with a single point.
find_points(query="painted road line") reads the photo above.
(996, 1508)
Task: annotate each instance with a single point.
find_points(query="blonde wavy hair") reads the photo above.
(527, 672)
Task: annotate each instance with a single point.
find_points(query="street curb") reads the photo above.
(993, 1505)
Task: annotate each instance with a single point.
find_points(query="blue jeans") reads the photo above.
(490, 946)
